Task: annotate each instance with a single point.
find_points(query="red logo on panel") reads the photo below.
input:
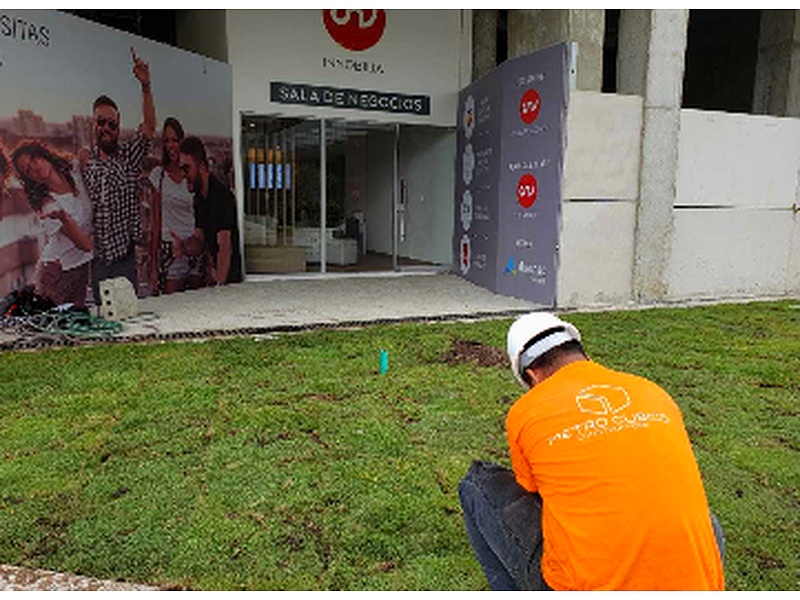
(527, 190)
(355, 29)
(529, 106)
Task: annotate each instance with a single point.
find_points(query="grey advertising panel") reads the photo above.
(534, 105)
(477, 162)
(509, 163)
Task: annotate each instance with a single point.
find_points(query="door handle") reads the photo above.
(401, 210)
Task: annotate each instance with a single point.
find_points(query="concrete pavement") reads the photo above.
(263, 304)
(310, 301)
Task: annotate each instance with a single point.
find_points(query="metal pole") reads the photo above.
(395, 194)
(285, 215)
(323, 198)
(267, 207)
(294, 180)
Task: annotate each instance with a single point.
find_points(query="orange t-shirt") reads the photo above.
(623, 502)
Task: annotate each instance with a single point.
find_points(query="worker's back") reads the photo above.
(623, 500)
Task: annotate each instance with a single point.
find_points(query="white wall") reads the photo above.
(735, 233)
(418, 54)
(600, 188)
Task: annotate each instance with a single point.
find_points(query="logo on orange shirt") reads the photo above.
(602, 399)
(606, 403)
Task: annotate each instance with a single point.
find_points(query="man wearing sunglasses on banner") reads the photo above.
(112, 178)
(216, 233)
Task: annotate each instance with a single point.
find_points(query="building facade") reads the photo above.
(681, 145)
(682, 148)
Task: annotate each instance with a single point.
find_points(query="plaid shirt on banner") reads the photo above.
(114, 188)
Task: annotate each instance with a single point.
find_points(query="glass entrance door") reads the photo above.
(345, 196)
(424, 197)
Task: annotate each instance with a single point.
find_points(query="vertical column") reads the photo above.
(533, 29)
(484, 42)
(777, 87)
(651, 63)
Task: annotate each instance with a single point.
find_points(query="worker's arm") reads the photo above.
(520, 465)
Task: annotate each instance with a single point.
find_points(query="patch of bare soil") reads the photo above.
(764, 560)
(469, 351)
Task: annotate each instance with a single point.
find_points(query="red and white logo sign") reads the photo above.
(466, 254)
(527, 190)
(529, 106)
(355, 28)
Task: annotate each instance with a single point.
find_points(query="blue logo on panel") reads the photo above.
(511, 266)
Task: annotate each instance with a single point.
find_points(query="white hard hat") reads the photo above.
(531, 335)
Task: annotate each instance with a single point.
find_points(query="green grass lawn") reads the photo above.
(292, 463)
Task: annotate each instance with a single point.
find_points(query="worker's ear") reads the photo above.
(533, 377)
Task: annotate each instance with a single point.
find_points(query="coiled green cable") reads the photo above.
(74, 323)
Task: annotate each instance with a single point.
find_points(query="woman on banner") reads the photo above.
(173, 216)
(57, 194)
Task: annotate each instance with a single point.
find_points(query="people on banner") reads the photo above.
(173, 215)
(57, 194)
(216, 231)
(91, 206)
(112, 177)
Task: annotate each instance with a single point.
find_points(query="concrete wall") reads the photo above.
(735, 232)
(600, 191)
(777, 85)
(530, 30)
(735, 229)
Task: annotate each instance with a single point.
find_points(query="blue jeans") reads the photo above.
(504, 525)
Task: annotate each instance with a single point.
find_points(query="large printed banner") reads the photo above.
(508, 185)
(115, 160)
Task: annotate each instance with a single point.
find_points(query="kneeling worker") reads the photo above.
(605, 492)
